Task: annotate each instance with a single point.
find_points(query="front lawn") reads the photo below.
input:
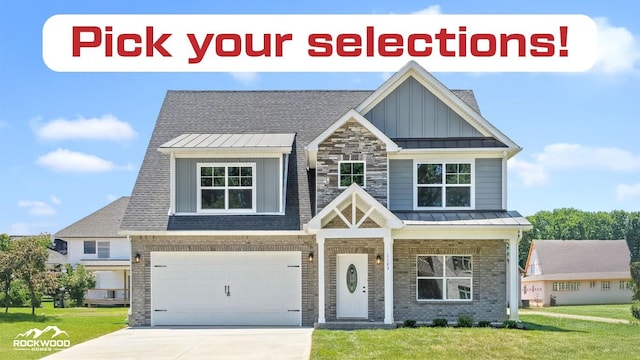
(546, 338)
(81, 324)
(622, 311)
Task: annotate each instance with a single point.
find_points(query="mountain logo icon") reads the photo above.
(35, 333)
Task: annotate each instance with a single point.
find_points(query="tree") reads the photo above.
(29, 257)
(633, 242)
(6, 268)
(77, 281)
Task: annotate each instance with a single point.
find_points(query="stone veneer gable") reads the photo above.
(351, 141)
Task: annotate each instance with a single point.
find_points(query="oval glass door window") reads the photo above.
(352, 278)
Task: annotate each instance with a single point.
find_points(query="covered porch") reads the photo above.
(113, 279)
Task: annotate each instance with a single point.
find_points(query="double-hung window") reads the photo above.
(443, 185)
(103, 250)
(444, 277)
(226, 187)
(89, 246)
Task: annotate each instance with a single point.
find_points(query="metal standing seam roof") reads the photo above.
(218, 141)
(448, 218)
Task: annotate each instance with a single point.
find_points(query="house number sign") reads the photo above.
(352, 278)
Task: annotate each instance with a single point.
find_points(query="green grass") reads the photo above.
(81, 324)
(546, 338)
(622, 311)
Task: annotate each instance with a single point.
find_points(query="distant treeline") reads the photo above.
(573, 224)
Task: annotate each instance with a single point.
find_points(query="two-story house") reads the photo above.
(319, 207)
(94, 242)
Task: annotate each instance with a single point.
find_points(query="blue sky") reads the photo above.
(73, 142)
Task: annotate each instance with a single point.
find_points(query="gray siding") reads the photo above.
(411, 111)
(400, 184)
(267, 183)
(489, 184)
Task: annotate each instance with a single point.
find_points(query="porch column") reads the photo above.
(320, 257)
(388, 279)
(514, 290)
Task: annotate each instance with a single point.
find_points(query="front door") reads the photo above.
(352, 286)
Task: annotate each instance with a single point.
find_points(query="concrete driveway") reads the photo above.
(195, 343)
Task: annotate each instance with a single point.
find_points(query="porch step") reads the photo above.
(353, 325)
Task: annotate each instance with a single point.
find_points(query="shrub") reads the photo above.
(465, 321)
(484, 323)
(510, 324)
(552, 300)
(410, 323)
(635, 310)
(18, 295)
(440, 322)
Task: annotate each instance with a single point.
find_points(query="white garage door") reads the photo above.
(226, 288)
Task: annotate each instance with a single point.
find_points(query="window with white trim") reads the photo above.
(89, 246)
(605, 285)
(625, 285)
(350, 172)
(444, 277)
(443, 185)
(592, 284)
(226, 187)
(566, 286)
(103, 250)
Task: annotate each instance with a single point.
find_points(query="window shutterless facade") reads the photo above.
(605, 285)
(566, 286)
(444, 277)
(443, 185)
(350, 172)
(103, 250)
(90, 247)
(226, 187)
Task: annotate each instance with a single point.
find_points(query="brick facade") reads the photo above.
(351, 141)
(141, 273)
(489, 280)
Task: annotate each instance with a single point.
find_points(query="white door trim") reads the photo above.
(352, 286)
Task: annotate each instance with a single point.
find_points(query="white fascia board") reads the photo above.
(312, 148)
(456, 233)
(453, 153)
(443, 93)
(213, 233)
(222, 153)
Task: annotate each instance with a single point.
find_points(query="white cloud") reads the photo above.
(618, 49)
(561, 156)
(108, 127)
(245, 77)
(431, 10)
(54, 200)
(626, 192)
(37, 208)
(531, 174)
(63, 160)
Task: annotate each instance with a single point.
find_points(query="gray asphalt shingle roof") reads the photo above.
(582, 256)
(104, 222)
(307, 113)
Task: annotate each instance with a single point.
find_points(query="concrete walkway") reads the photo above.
(195, 343)
(577, 317)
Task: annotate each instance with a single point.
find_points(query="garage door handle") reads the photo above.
(160, 310)
(297, 310)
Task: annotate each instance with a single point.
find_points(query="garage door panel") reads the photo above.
(189, 288)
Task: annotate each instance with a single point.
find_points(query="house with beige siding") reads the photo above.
(324, 208)
(577, 272)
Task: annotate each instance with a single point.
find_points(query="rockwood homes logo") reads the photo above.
(49, 339)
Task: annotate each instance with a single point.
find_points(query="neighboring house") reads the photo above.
(55, 260)
(94, 242)
(577, 272)
(318, 207)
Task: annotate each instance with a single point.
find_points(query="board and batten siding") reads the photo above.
(412, 111)
(401, 184)
(267, 180)
(488, 184)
